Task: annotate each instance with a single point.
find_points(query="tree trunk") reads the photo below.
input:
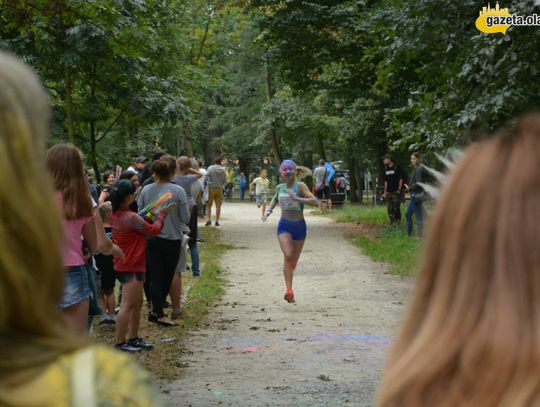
(359, 183)
(93, 154)
(353, 195)
(68, 81)
(272, 132)
(203, 41)
(320, 147)
(188, 147)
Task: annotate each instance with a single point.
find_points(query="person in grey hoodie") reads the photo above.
(217, 177)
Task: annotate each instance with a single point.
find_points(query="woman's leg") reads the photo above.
(298, 245)
(176, 292)
(76, 317)
(286, 245)
(156, 265)
(129, 302)
(109, 301)
(135, 315)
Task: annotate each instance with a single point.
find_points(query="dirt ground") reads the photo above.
(328, 349)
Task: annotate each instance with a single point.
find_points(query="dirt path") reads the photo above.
(257, 350)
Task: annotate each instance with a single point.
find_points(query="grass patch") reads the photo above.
(360, 214)
(378, 240)
(393, 246)
(165, 361)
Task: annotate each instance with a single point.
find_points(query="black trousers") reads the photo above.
(393, 200)
(161, 259)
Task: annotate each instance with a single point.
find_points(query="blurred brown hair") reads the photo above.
(31, 271)
(65, 166)
(472, 333)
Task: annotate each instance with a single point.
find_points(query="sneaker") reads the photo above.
(209, 223)
(140, 343)
(126, 347)
(107, 321)
(177, 315)
(289, 295)
(217, 223)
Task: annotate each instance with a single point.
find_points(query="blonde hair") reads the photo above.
(184, 163)
(31, 272)
(472, 333)
(105, 210)
(194, 164)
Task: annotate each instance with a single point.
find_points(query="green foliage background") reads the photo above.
(344, 80)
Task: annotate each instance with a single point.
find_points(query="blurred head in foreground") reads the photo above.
(471, 335)
(31, 271)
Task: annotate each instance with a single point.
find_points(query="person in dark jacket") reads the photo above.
(415, 204)
(394, 178)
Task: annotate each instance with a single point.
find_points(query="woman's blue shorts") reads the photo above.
(297, 229)
(76, 286)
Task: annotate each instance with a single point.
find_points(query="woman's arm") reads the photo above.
(103, 195)
(89, 235)
(196, 172)
(151, 229)
(306, 197)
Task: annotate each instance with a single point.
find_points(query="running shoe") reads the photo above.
(126, 347)
(217, 223)
(140, 343)
(107, 321)
(289, 295)
(209, 223)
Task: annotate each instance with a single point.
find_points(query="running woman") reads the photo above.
(291, 195)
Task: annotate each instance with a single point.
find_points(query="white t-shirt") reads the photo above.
(262, 185)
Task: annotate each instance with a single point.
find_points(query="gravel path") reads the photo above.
(328, 349)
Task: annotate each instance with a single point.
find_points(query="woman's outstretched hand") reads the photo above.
(292, 194)
(267, 214)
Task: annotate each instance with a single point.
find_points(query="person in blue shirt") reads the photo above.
(242, 185)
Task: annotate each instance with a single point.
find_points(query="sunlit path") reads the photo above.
(257, 350)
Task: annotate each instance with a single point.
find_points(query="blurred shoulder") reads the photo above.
(120, 381)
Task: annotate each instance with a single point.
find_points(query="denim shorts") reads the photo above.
(297, 229)
(126, 277)
(260, 198)
(76, 286)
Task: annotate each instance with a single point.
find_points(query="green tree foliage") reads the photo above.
(409, 75)
(110, 68)
(344, 80)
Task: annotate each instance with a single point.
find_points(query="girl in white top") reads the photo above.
(261, 185)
